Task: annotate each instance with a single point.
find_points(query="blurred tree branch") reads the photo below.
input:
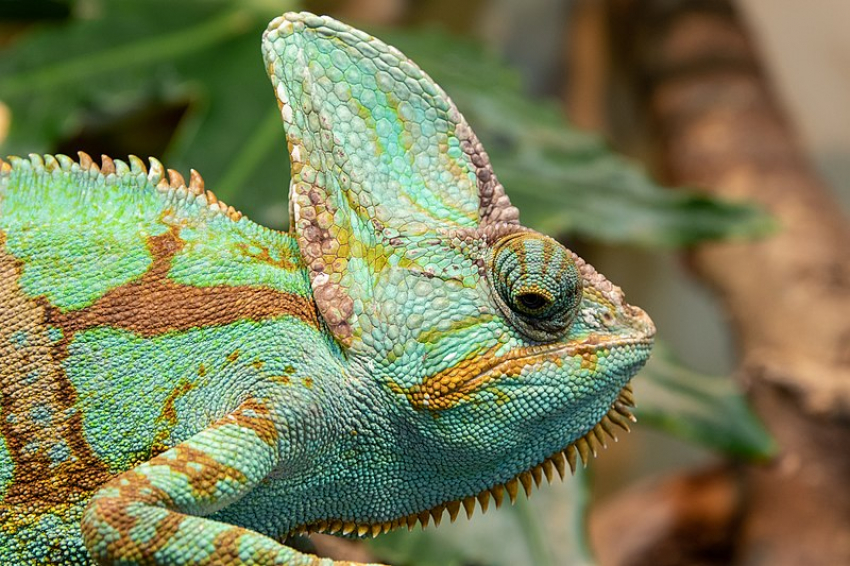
(718, 126)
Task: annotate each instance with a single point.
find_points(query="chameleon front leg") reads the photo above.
(153, 514)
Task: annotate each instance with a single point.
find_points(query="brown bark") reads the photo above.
(788, 295)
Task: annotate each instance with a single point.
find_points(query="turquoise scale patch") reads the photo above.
(59, 453)
(221, 252)
(19, 339)
(54, 333)
(116, 372)
(6, 466)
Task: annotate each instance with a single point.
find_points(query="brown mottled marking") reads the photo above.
(154, 304)
(333, 300)
(255, 416)
(265, 256)
(134, 486)
(168, 416)
(226, 546)
(493, 203)
(203, 472)
(233, 356)
(284, 377)
(32, 379)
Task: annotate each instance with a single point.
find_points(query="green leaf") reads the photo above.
(706, 410)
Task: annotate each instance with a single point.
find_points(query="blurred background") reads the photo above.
(697, 152)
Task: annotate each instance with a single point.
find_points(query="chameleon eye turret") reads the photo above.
(538, 285)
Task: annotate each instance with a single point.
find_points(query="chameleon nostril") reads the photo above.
(641, 319)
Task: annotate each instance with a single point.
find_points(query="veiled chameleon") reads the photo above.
(183, 386)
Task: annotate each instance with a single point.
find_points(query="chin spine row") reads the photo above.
(619, 415)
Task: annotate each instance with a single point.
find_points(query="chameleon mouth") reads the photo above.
(447, 388)
(582, 449)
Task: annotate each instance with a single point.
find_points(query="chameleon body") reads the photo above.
(183, 386)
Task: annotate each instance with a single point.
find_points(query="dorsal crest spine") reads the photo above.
(157, 175)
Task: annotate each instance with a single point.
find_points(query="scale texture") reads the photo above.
(183, 386)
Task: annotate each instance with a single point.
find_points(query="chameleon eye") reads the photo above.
(537, 284)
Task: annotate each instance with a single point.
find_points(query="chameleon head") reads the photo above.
(495, 345)
(506, 355)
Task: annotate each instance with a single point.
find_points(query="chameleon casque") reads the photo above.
(183, 386)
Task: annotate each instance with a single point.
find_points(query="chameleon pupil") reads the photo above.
(532, 301)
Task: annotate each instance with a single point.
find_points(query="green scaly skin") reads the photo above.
(183, 386)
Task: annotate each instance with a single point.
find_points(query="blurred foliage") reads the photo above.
(551, 524)
(124, 56)
(704, 409)
(193, 69)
